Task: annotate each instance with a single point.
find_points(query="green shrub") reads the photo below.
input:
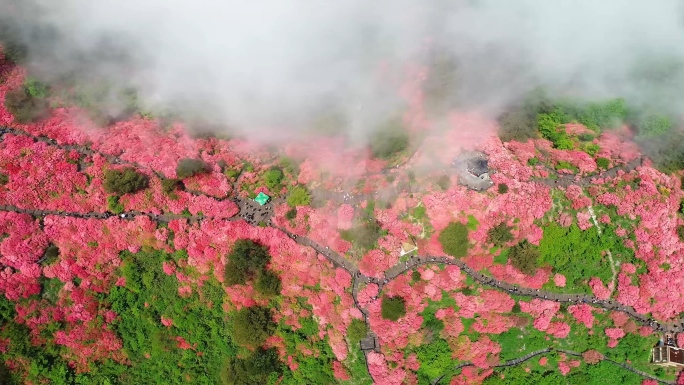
(4, 179)
(654, 125)
(365, 235)
(256, 369)
(50, 255)
(415, 276)
(502, 188)
(124, 181)
(272, 178)
(393, 308)
(291, 214)
(245, 261)
(189, 167)
(267, 283)
(550, 127)
(357, 330)
(299, 196)
(435, 359)
(500, 234)
(170, 186)
(602, 163)
(680, 232)
(586, 137)
(454, 239)
(252, 325)
(36, 88)
(524, 257)
(24, 107)
(591, 148)
(533, 161)
(114, 205)
(444, 182)
(389, 140)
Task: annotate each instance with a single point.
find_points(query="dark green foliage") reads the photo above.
(252, 325)
(149, 294)
(586, 137)
(389, 140)
(393, 308)
(532, 161)
(24, 107)
(520, 123)
(444, 182)
(124, 181)
(245, 261)
(651, 124)
(500, 234)
(291, 214)
(365, 235)
(550, 127)
(454, 239)
(36, 88)
(267, 283)
(290, 166)
(170, 186)
(580, 254)
(415, 276)
(524, 256)
(4, 179)
(602, 163)
(50, 255)
(502, 188)
(114, 205)
(596, 115)
(299, 196)
(189, 167)
(272, 178)
(357, 330)
(253, 370)
(680, 232)
(435, 359)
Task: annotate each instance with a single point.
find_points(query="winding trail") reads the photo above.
(255, 214)
(520, 360)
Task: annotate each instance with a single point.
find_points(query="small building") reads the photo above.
(473, 170)
(370, 343)
(407, 247)
(666, 353)
(262, 198)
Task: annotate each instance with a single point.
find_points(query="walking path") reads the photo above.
(520, 360)
(255, 214)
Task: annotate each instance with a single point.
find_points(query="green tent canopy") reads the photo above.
(262, 198)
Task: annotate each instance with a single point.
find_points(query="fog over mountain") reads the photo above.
(277, 63)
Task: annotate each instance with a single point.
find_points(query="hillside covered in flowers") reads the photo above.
(132, 251)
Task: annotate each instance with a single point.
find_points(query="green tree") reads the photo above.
(502, 188)
(245, 261)
(24, 107)
(299, 196)
(124, 181)
(36, 88)
(188, 167)
(680, 233)
(524, 256)
(170, 186)
(267, 283)
(253, 370)
(444, 182)
(392, 308)
(435, 359)
(500, 234)
(357, 330)
(390, 140)
(454, 239)
(252, 325)
(602, 162)
(114, 205)
(273, 177)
